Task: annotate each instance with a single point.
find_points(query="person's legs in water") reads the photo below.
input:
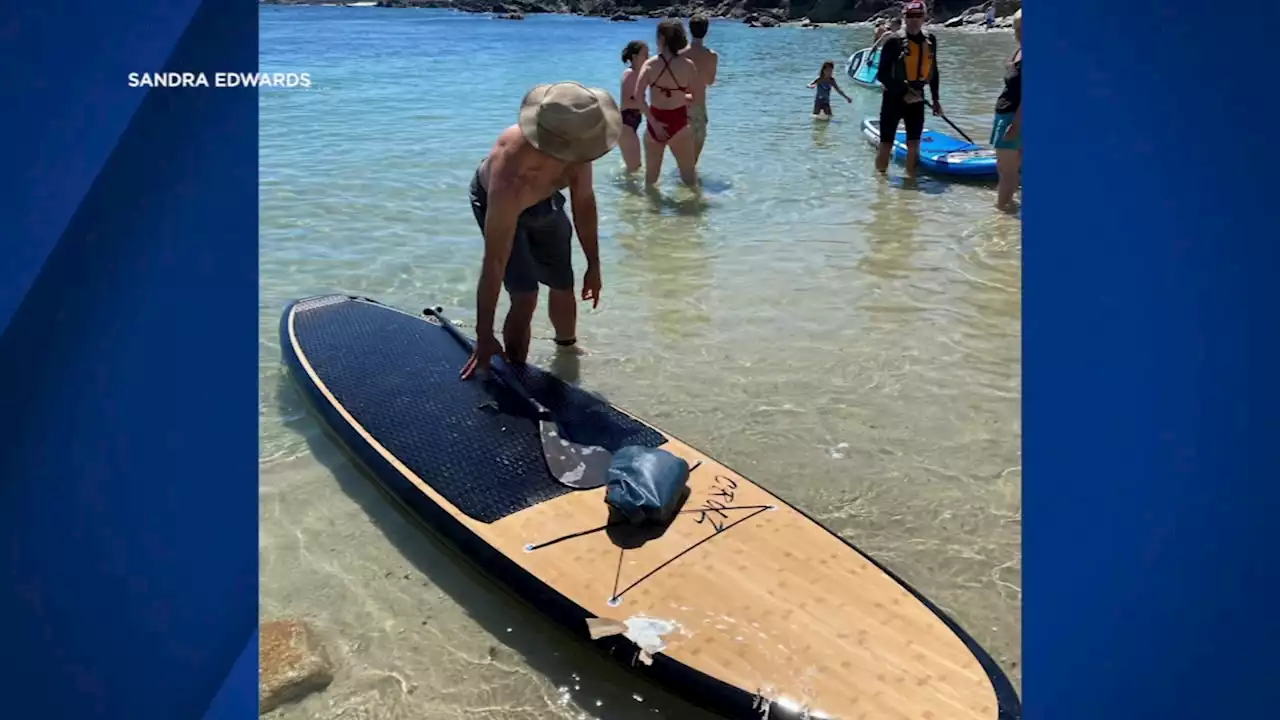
(913, 122)
(551, 244)
(890, 116)
(1008, 160)
(698, 120)
(653, 150)
(1007, 166)
(674, 120)
(562, 309)
(884, 152)
(517, 330)
(684, 151)
(629, 140)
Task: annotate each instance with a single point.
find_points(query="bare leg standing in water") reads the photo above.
(1006, 131)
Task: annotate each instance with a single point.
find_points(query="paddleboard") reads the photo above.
(862, 67)
(742, 604)
(940, 153)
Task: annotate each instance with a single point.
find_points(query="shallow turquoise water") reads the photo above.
(850, 343)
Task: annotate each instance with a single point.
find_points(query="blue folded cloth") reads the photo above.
(646, 485)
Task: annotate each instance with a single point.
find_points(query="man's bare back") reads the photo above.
(707, 61)
(531, 175)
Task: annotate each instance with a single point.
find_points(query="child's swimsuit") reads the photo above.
(822, 100)
(675, 119)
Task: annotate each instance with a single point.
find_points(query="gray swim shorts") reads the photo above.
(698, 120)
(542, 251)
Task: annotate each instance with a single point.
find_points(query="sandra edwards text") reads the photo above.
(220, 79)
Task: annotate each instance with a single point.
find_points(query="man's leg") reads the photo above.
(889, 119)
(913, 120)
(516, 331)
(521, 282)
(883, 153)
(698, 118)
(552, 246)
(562, 308)
(913, 156)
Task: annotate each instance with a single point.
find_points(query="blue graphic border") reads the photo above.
(128, 362)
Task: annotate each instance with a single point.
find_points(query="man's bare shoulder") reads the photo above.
(700, 53)
(506, 157)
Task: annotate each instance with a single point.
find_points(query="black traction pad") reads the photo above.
(474, 442)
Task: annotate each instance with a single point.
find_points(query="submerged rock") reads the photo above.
(291, 664)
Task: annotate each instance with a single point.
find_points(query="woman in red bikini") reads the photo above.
(673, 81)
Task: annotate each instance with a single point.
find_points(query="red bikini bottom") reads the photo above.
(674, 119)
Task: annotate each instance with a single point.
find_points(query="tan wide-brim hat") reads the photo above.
(570, 122)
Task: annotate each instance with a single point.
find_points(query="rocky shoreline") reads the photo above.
(758, 13)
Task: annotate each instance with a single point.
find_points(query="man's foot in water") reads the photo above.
(570, 347)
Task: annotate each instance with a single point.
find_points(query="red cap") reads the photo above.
(914, 6)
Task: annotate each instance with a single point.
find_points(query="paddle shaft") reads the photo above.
(581, 467)
(953, 127)
(500, 368)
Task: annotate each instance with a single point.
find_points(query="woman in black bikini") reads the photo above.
(674, 81)
(634, 54)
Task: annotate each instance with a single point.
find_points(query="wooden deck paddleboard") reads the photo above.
(742, 605)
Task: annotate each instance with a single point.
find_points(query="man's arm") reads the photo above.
(500, 220)
(582, 196)
(933, 76)
(715, 66)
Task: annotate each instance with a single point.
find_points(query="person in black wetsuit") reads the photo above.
(908, 63)
(1006, 130)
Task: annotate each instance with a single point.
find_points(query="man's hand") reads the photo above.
(591, 285)
(486, 347)
(937, 107)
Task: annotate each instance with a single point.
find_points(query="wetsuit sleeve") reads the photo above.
(935, 76)
(889, 52)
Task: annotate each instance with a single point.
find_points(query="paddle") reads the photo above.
(581, 467)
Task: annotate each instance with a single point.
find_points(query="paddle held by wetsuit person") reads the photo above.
(516, 198)
(908, 63)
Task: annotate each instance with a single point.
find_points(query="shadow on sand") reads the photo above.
(548, 650)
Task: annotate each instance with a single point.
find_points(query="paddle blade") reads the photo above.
(581, 467)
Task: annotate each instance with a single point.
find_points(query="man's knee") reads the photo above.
(523, 305)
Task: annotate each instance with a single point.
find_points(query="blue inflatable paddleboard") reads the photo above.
(940, 154)
(862, 67)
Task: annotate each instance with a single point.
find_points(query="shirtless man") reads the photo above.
(707, 61)
(516, 198)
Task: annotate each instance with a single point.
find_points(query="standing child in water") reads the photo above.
(634, 54)
(825, 83)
